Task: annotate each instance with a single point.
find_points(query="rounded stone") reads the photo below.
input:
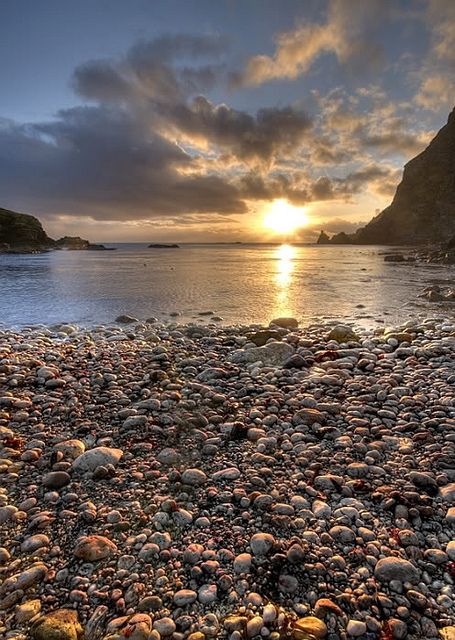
(184, 597)
(164, 626)
(242, 563)
(356, 628)
(62, 624)
(261, 543)
(194, 477)
(392, 568)
(56, 480)
(93, 548)
(99, 456)
(309, 627)
(71, 448)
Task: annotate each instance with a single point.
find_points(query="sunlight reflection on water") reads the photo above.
(285, 255)
(241, 283)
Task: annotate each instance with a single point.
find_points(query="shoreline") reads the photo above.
(159, 482)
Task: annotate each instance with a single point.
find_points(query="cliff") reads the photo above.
(423, 208)
(22, 232)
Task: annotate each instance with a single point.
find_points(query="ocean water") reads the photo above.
(240, 283)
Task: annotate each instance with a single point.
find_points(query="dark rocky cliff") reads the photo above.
(22, 232)
(423, 209)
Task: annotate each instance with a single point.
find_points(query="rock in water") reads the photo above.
(62, 624)
(76, 243)
(423, 209)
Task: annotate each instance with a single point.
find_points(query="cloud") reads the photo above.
(381, 179)
(155, 69)
(363, 125)
(270, 132)
(150, 145)
(437, 89)
(348, 33)
(99, 161)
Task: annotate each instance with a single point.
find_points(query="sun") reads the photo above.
(282, 217)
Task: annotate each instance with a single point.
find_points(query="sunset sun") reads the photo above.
(282, 217)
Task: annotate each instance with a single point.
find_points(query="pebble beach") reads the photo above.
(191, 482)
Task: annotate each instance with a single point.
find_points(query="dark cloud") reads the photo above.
(270, 132)
(99, 80)
(293, 187)
(153, 70)
(142, 149)
(323, 189)
(151, 145)
(172, 47)
(98, 161)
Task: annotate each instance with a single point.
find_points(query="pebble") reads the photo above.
(261, 543)
(184, 481)
(184, 597)
(194, 477)
(62, 624)
(388, 569)
(356, 628)
(90, 460)
(94, 548)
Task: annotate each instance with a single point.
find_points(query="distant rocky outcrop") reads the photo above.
(22, 233)
(75, 243)
(423, 209)
(158, 245)
(323, 238)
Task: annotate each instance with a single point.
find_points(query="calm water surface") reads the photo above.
(241, 283)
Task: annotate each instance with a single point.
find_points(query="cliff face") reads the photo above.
(22, 232)
(423, 209)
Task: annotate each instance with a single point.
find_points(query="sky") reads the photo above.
(194, 120)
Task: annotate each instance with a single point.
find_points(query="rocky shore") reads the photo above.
(193, 482)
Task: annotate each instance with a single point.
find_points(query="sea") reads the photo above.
(239, 283)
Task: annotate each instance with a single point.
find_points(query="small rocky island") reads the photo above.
(423, 209)
(75, 243)
(158, 245)
(23, 233)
